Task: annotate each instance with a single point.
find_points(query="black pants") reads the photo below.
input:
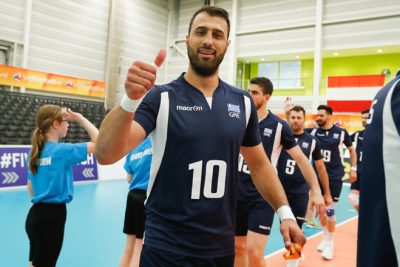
(45, 228)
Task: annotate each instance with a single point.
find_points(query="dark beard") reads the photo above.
(204, 69)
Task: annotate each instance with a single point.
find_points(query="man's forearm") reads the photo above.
(113, 135)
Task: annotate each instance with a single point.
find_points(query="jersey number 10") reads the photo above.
(197, 168)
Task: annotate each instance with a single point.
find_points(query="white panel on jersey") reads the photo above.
(256, 14)
(159, 139)
(391, 154)
(12, 19)
(313, 144)
(277, 148)
(247, 105)
(341, 146)
(69, 38)
(343, 9)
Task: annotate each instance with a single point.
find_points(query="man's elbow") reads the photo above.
(103, 157)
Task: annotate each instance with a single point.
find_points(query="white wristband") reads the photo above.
(285, 213)
(130, 105)
(353, 168)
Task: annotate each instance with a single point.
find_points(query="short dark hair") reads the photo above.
(365, 111)
(328, 109)
(298, 109)
(213, 12)
(265, 84)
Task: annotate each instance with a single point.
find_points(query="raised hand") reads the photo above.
(141, 76)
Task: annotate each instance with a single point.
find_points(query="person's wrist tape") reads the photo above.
(285, 213)
(130, 105)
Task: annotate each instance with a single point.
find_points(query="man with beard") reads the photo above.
(357, 139)
(331, 138)
(198, 125)
(254, 215)
(293, 181)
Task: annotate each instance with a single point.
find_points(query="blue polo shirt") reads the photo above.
(138, 163)
(53, 182)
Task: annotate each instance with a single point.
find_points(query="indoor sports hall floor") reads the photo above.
(93, 233)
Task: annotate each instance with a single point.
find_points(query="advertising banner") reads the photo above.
(14, 169)
(38, 80)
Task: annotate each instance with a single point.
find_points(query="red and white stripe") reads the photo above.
(352, 93)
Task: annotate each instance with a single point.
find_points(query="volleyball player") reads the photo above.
(198, 124)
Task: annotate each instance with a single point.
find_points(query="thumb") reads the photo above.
(160, 57)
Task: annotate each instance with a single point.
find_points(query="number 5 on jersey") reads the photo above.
(197, 168)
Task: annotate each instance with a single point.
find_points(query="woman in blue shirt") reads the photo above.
(50, 180)
(137, 165)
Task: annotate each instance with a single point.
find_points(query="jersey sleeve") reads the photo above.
(252, 134)
(395, 105)
(347, 139)
(316, 154)
(127, 165)
(287, 139)
(74, 153)
(146, 114)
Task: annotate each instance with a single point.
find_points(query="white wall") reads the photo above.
(12, 17)
(69, 37)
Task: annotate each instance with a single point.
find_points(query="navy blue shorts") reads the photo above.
(356, 184)
(255, 215)
(335, 185)
(298, 203)
(152, 257)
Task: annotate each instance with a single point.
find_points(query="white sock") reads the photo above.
(292, 263)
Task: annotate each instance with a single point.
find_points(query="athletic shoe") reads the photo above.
(327, 254)
(312, 224)
(321, 246)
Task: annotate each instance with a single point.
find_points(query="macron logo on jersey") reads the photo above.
(45, 161)
(304, 145)
(234, 111)
(187, 108)
(336, 136)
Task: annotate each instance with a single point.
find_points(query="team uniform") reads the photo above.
(331, 142)
(190, 206)
(137, 164)
(53, 188)
(379, 220)
(357, 139)
(296, 187)
(253, 212)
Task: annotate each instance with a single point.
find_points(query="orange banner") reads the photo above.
(38, 80)
(351, 122)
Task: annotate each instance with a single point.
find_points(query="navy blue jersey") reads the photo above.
(275, 134)
(190, 209)
(331, 142)
(357, 138)
(291, 177)
(379, 217)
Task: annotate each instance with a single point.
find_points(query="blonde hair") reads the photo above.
(45, 117)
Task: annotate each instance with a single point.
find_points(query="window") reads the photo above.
(285, 74)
